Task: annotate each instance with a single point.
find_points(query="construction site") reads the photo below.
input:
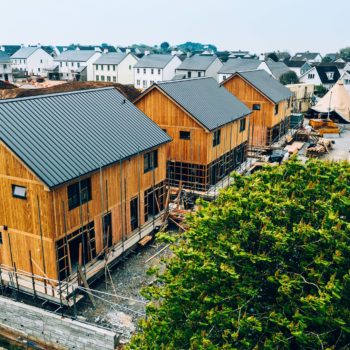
(95, 266)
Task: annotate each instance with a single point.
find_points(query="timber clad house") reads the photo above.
(208, 125)
(80, 172)
(270, 102)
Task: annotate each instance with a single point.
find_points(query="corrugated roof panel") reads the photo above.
(208, 102)
(24, 52)
(75, 55)
(62, 136)
(154, 61)
(269, 86)
(197, 62)
(110, 58)
(234, 65)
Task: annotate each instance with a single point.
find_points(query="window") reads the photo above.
(134, 213)
(346, 81)
(151, 82)
(129, 66)
(72, 64)
(114, 67)
(189, 74)
(97, 78)
(311, 76)
(78, 64)
(79, 192)
(330, 75)
(66, 64)
(199, 74)
(108, 78)
(276, 109)
(102, 78)
(19, 192)
(224, 77)
(144, 70)
(150, 161)
(242, 125)
(61, 64)
(96, 66)
(101, 66)
(152, 71)
(107, 230)
(216, 137)
(114, 79)
(41, 61)
(144, 84)
(185, 135)
(1, 242)
(256, 107)
(38, 69)
(138, 82)
(159, 71)
(138, 70)
(108, 66)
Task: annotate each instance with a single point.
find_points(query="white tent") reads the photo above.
(336, 100)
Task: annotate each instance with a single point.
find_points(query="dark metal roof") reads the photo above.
(4, 58)
(323, 70)
(267, 85)
(62, 136)
(206, 101)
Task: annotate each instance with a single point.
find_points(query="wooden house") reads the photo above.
(208, 125)
(82, 178)
(269, 100)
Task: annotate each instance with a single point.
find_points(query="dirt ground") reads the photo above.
(122, 313)
(341, 146)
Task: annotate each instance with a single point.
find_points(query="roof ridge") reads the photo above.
(18, 99)
(182, 80)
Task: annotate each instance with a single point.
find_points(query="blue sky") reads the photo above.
(256, 25)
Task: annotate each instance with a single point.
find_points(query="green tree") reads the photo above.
(289, 78)
(345, 53)
(265, 266)
(320, 90)
(165, 46)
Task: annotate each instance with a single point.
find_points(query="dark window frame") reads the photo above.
(242, 124)
(75, 192)
(185, 135)
(276, 108)
(150, 161)
(134, 216)
(256, 107)
(216, 137)
(16, 195)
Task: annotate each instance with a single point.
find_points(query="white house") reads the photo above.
(346, 80)
(114, 67)
(76, 64)
(234, 65)
(5, 67)
(154, 68)
(31, 61)
(321, 75)
(198, 66)
(311, 57)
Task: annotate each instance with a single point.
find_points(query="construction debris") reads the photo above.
(322, 146)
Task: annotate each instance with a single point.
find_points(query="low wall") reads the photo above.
(44, 329)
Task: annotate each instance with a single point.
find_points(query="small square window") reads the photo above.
(185, 135)
(256, 107)
(19, 192)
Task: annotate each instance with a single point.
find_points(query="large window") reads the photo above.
(79, 193)
(150, 161)
(216, 137)
(242, 123)
(185, 135)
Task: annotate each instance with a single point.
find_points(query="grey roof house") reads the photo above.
(198, 66)
(234, 65)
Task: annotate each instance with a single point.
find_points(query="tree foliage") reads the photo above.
(265, 266)
(289, 78)
(164, 46)
(345, 53)
(320, 90)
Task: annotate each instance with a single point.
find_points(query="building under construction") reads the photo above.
(208, 126)
(82, 179)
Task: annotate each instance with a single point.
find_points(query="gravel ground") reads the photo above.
(122, 313)
(341, 147)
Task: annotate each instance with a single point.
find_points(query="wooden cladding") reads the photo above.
(266, 114)
(37, 227)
